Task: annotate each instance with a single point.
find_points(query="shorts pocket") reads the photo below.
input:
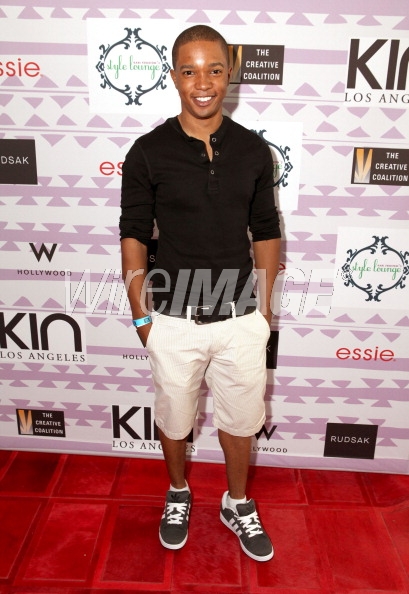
(149, 341)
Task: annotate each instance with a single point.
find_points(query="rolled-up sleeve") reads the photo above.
(264, 220)
(137, 197)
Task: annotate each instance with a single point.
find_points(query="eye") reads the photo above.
(187, 72)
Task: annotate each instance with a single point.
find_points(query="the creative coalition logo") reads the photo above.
(281, 159)
(347, 440)
(380, 166)
(18, 163)
(42, 423)
(133, 66)
(257, 64)
(134, 429)
(377, 71)
(41, 337)
(376, 268)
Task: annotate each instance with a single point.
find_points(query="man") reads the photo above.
(206, 180)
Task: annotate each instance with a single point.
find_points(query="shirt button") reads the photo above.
(214, 139)
(212, 171)
(203, 154)
(216, 153)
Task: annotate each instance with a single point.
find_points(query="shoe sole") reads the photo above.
(173, 547)
(251, 555)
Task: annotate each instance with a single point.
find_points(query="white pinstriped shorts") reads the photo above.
(230, 355)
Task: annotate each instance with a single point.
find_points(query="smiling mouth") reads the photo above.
(203, 99)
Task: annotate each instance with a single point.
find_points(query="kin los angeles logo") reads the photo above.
(377, 71)
(376, 268)
(132, 66)
(41, 337)
(134, 429)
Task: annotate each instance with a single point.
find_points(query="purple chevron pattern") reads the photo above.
(340, 360)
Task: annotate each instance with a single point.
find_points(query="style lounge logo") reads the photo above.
(348, 440)
(377, 166)
(376, 269)
(40, 423)
(18, 163)
(133, 66)
(281, 160)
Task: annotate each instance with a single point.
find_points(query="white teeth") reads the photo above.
(203, 99)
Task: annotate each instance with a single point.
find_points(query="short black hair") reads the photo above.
(198, 33)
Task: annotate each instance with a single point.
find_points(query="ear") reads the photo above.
(173, 77)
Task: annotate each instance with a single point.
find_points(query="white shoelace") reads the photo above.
(251, 524)
(175, 512)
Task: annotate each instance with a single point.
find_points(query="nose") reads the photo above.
(203, 80)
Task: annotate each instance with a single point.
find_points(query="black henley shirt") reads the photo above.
(203, 208)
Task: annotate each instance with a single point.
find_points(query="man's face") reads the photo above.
(201, 76)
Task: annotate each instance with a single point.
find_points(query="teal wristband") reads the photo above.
(142, 321)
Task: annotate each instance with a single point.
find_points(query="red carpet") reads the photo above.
(89, 525)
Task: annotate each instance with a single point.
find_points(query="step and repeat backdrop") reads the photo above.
(328, 91)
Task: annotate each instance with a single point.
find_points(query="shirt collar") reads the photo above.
(218, 135)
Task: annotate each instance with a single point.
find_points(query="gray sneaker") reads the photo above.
(173, 527)
(246, 524)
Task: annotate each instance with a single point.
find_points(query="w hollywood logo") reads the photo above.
(48, 252)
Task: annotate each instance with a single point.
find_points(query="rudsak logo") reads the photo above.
(43, 423)
(347, 440)
(18, 163)
(133, 66)
(134, 429)
(377, 71)
(281, 159)
(375, 269)
(38, 337)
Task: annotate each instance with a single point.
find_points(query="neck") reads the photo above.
(200, 128)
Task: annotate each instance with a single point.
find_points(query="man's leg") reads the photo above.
(174, 451)
(237, 456)
(173, 529)
(242, 518)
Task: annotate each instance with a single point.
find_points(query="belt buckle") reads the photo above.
(201, 318)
